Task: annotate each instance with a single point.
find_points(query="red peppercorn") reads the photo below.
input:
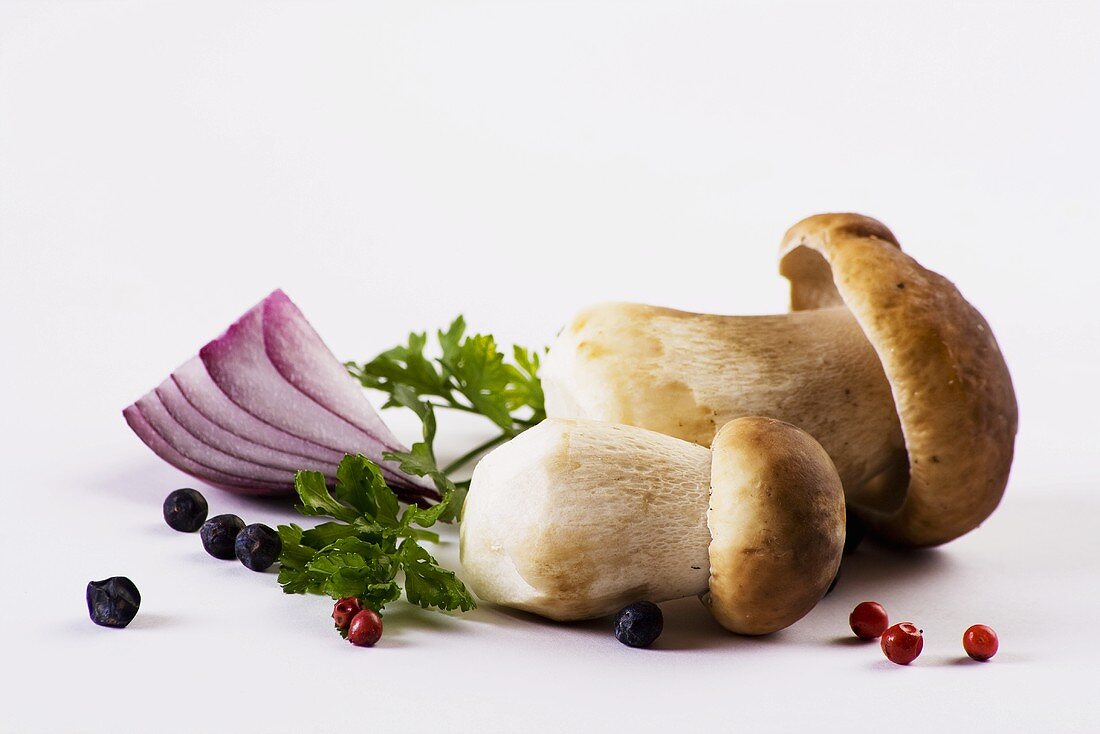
(344, 610)
(980, 642)
(365, 628)
(868, 620)
(902, 643)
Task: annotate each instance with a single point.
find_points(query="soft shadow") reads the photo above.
(140, 482)
(150, 621)
(688, 625)
(883, 664)
(873, 567)
(998, 659)
(966, 660)
(851, 641)
(142, 621)
(402, 616)
(517, 617)
(149, 482)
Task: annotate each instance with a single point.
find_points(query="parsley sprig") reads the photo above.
(470, 375)
(371, 543)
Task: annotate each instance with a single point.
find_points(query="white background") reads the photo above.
(165, 165)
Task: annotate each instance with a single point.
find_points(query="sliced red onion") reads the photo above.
(263, 400)
(299, 355)
(161, 448)
(185, 443)
(207, 398)
(211, 434)
(238, 362)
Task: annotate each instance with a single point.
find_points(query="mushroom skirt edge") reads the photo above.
(574, 519)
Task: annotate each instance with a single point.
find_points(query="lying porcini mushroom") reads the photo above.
(687, 374)
(896, 375)
(574, 519)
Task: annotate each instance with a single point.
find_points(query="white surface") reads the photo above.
(164, 165)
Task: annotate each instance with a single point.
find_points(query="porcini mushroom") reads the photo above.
(884, 362)
(574, 519)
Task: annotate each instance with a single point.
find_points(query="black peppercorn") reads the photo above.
(185, 510)
(113, 602)
(258, 546)
(639, 624)
(219, 534)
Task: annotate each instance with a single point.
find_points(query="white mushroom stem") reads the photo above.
(572, 520)
(687, 374)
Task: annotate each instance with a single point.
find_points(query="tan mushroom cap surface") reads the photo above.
(950, 384)
(776, 522)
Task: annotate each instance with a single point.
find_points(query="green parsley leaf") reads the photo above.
(480, 375)
(313, 491)
(418, 460)
(359, 483)
(428, 585)
(425, 518)
(327, 533)
(363, 552)
(294, 558)
(469, 374)
(525, 387)
(403, 365)
(352, 567)
(406, 396)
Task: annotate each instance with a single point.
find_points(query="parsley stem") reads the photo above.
(472, 453)
(452, 404)
(455, 405)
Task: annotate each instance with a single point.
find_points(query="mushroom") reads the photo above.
(574, 519)
(884, 362)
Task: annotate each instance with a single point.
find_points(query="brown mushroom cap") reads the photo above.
(776, 522)
(950, 384)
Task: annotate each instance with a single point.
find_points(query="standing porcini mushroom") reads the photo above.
(574, 519)
(896, 375)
